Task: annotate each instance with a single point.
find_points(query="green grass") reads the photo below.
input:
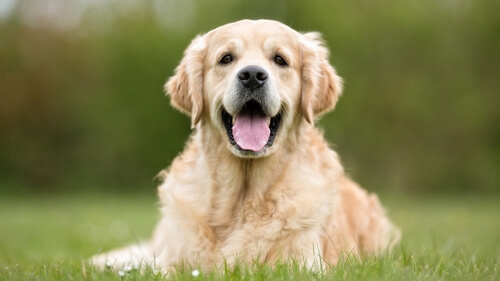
(50, 237)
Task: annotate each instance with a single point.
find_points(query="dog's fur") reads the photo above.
(290, 199)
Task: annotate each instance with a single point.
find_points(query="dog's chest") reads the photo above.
(227, 217)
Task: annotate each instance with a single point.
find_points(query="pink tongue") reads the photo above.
(250, 130)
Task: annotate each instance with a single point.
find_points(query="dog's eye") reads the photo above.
(226, 59)
(279, 60)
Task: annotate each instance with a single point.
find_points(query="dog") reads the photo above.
(257, 181)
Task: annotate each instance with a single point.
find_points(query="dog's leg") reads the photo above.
(133, 256)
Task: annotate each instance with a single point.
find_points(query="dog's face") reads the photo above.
(254, 81)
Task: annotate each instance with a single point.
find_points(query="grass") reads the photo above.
(50, 237)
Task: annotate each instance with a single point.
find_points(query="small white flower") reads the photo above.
(127, 268)
(136, 265)
(121, 273)
(108, 264)
(195, 273)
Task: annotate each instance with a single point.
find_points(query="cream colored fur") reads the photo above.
(291, 200)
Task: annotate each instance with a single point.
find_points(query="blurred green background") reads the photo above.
(82, 107)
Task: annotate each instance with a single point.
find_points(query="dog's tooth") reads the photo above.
(234, 120)
(268, 121)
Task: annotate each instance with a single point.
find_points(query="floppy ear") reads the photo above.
(321, 86)
(186, 86)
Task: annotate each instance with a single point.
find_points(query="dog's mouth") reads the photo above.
(251, 129)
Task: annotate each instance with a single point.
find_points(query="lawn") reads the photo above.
(50, 237)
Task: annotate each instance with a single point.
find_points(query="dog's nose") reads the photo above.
(252, 76)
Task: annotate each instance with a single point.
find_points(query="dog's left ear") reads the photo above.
(186, 86)
(321, 86)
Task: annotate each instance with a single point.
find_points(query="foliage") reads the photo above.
(82, 104)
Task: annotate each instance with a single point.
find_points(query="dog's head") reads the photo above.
(254, 81)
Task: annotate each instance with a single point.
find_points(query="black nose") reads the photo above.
(252, 76)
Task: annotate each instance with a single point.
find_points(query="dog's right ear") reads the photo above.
(186, 86)
(321, 86)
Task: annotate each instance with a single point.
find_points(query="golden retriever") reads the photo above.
(257, 182)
